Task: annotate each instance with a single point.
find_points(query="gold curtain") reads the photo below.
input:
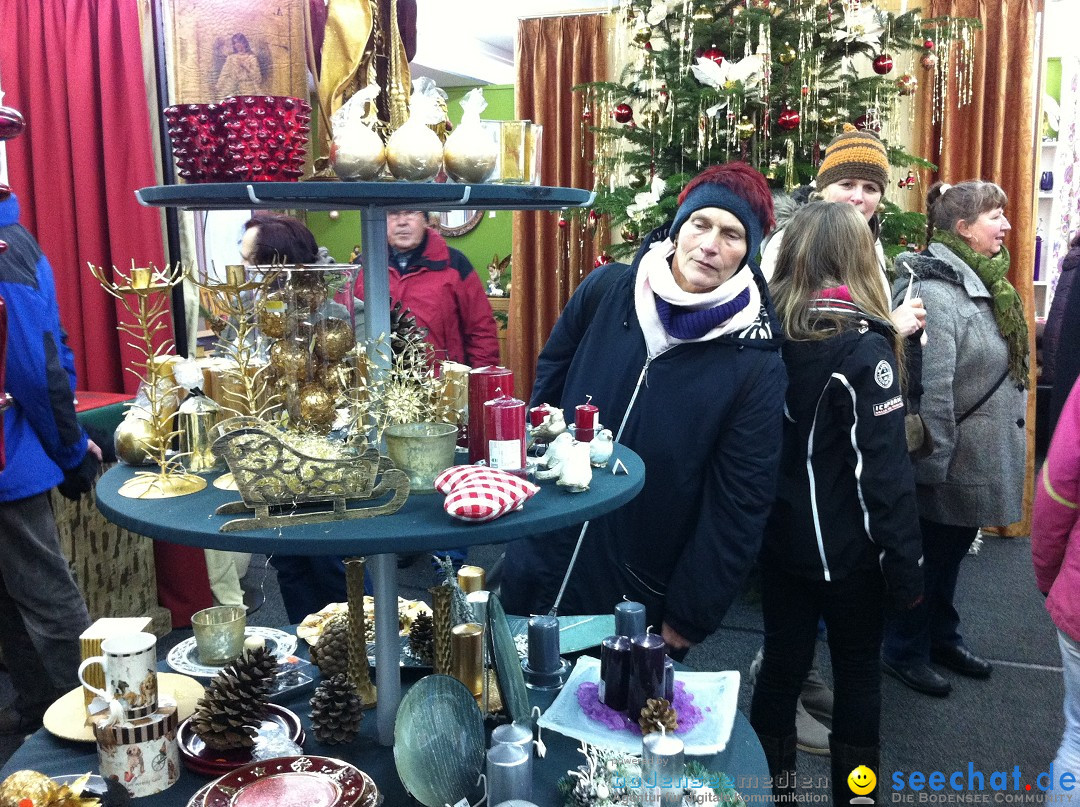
(994, 138)
(554, 54)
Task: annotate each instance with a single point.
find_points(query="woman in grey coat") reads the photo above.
(975, 379)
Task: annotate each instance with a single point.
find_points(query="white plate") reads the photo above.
(719, 691)
(184, 657)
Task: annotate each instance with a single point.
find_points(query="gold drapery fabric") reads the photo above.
(994, 138)
(554, 54)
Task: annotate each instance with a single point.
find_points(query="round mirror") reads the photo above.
(452, 223)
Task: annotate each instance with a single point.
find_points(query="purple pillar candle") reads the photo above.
(544, 644)
(614, 672)
(647, 655)
(669, 680)
(629, 619)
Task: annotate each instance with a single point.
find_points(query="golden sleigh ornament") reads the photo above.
(273, 477)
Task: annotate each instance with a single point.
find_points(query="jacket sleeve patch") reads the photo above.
(888, 406)
(883, 374)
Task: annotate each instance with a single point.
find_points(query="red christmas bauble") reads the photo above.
(929, 60)
(883, 64)
(928, 44)
(713, 54)
(788, 119)
(907, 84)
(586, 114)
(563, 223)
(601, 259)
(805, 90)
(623, 113)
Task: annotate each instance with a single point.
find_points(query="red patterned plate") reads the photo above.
(201, 759)
(307, 780)
(199, 799)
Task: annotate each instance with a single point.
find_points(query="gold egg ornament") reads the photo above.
(334, 338)
(290, 360)
(357, 154)
(135, 441)
(414, 153)
(316, 407)
(470, 153)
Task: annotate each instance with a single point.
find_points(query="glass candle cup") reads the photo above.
(219, 633)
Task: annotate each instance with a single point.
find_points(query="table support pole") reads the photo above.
(387, 644)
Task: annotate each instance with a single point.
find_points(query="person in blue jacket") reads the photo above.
(679, 350)
(42, 612)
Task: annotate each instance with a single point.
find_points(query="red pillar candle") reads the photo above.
(504, 433)
(485, 383)
(586, 418)
(537, 414)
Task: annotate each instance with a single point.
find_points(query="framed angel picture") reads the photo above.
(218, 48)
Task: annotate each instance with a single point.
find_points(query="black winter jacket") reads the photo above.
(706, 420)
(846, 498)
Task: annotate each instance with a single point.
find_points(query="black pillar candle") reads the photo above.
(647, 655)
(614, 672)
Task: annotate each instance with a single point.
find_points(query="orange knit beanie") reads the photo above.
(854, 154)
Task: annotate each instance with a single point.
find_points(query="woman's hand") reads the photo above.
(909, 317)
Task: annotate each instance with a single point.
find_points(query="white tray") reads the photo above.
(184, 657)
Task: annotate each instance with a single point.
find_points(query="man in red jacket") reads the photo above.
(441, 288)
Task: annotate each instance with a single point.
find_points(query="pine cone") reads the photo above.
(403, 328)
(228, 715)
(656, 713)
(422, 638)
(583, 794)
(331, 652)
(336, 711)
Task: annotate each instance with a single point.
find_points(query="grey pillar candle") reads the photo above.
(517, 734)
(614, 672)
(662, 770)
(629, 619)
(669, 680)
(647, 655)
(544, 644)
(509, 773)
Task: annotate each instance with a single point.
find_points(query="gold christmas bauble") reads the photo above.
(414, 153)
(333, 339)
(643, 34)
(744, 128)
(134, 441)
(469, 154)
(271, 316)
(335, 378)
(308, 290)
(357, 154)
(703, 14)
(289, 360)
(316, 406)
(37, 787)
(787, 54)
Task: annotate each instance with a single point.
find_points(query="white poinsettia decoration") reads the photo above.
(646, 199)
(728, 76)
(863, 25)
(658, 13)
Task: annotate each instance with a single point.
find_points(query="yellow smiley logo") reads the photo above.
(861, 780)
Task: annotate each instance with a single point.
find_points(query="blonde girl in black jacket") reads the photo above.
(843, 534)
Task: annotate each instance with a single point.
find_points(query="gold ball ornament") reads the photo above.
(335, 378)
(907, 84)
(643, 34)
(134, 441)
(414, 153)
(289, 360)
(787, 54)
(703, 14)
(37, 787)
(271, 315)
(333, 339)
(744, 128)
(307, 289)
(830, 120)
(357, 154)
(469, 154)
(316, 406)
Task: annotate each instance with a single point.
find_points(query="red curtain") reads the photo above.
(74, 68)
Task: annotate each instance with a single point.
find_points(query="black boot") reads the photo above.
(845, 759)
(780, 755)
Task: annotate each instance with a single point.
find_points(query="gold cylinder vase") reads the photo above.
(467, 656)
(359, 671)
(440, 615)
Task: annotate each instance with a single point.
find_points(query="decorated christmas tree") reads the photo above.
(766, 81)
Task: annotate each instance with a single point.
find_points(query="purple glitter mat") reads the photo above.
(588, 699)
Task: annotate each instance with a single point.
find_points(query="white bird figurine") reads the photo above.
(576, 473)
(554, 456)
(553, 424)
(601, 448)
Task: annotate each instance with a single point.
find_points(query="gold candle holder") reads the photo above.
(359, 671)
(441, 597)
(471, 578)
(512, 168)
(467, 656)
(235, 275)
(147, 319)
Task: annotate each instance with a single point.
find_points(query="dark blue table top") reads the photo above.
(420, 525)
(742, 760)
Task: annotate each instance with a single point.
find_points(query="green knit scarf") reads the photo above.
(1008, 308)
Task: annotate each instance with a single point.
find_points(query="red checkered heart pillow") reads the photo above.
(483, 500)
(452, 478)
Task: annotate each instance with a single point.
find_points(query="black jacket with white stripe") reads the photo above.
(846, 498)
